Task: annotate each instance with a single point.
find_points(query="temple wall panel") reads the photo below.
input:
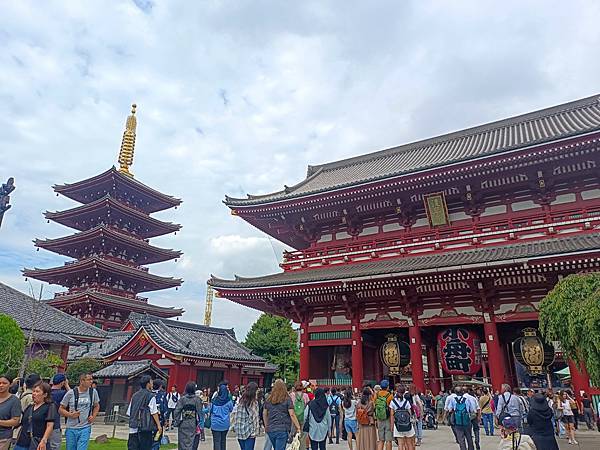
(339, 320)
(318, 321)
(429, 313)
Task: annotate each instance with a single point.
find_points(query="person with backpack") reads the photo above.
(349, 416)
(461, 412)
(38, 419)
(487, 411)
(144, 418)
(172, 399)
(59, 389)
(185, 417)
(300, 400)
(158, 388)
(80, 406)
(26, 396)
(509, 405)
(382, 416)
(419, 410)
(403, 418)
(366, 438)
(334, 401)
(318, 420)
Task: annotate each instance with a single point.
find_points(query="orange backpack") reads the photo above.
(362, 416)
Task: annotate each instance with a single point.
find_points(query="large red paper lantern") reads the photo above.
(460, 351)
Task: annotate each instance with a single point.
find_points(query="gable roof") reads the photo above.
(538, 127)
(128, 369)
(49, 324)
(177, 337)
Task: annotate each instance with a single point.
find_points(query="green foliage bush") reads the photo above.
(570, 314)
(83, 365)
(12, 345)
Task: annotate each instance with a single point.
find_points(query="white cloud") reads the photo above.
(238, 97)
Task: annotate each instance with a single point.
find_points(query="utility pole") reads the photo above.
(5, 191)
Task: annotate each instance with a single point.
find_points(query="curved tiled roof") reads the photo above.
(99, 350)
(404, 266)
(546, 125)
(128, 369)
(49, 323)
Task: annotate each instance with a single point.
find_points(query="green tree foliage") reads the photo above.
(45, 364)
(12, 345)
(570, 314)
(274, 339)
(83, 365)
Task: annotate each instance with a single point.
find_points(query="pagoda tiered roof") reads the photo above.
(107, 240)
(109, 211)
(135, 304)
(119, 186)
(103, 272)
(516, 133)
(409, 266)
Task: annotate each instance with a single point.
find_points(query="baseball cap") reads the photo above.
(58, 378)
(384, 384)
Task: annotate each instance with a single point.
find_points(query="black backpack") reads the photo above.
(402, 416)
(334, 407)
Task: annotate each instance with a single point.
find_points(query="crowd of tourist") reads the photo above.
(303, 417)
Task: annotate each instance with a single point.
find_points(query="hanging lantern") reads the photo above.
(460, 351)
(532, 352)
(395, 354)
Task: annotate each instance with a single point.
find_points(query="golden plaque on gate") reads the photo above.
(437, 210)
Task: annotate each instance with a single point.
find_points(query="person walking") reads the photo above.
(487, 412)
(60, 386)
(144, 418)
(365, 415)
(460, 412)
(220, 412)
(10, 412)
(279, 415)
(588, 411)
(509, 405)
(246, 422)
(349, 416)
(300, 400)
(539, 420)
(382, 416)
(439, 401)
(318, 420)
(25, 397)
(172, 399)
(568, 417)
(80, 406)
(402, 419)
(475, 418)
(185, 416)
(419, 411)
(38, 419)
(334, 401)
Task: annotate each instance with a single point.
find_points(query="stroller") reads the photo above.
(429, 420)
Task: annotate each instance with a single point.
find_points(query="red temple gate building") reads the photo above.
(111, 245)
(445, 245)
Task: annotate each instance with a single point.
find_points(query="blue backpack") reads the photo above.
(461, 415)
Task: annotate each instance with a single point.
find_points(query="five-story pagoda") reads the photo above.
(111, 245)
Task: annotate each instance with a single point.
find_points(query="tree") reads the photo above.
(274, 339)
(44, 364)
(570, 314)
(83, 365)
(12, 345)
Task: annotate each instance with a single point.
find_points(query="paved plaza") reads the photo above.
(438, 439)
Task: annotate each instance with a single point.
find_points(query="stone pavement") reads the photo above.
(432, 439)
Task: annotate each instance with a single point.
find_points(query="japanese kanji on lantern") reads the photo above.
(532, 352)
(395, 354)
(460, 351)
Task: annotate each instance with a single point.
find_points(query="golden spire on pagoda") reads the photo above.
(128, 143)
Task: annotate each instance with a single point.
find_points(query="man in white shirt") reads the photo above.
(141, 430)
(172, 399)
(463, 433)
(475, 421)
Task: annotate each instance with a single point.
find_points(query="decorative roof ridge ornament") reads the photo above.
(128, 143)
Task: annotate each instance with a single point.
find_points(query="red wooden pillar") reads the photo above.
(434, 369)
(416, 356)
(495, 355)
(304, 352)
(580, 381)
(357, 356)
(172, 379)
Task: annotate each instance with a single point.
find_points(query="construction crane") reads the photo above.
(208, 309)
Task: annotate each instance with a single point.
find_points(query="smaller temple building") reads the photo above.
(51, 329)
(173, 350)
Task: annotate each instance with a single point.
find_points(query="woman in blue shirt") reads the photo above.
(220, 411)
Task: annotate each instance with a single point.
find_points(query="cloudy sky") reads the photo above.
(238, 97)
